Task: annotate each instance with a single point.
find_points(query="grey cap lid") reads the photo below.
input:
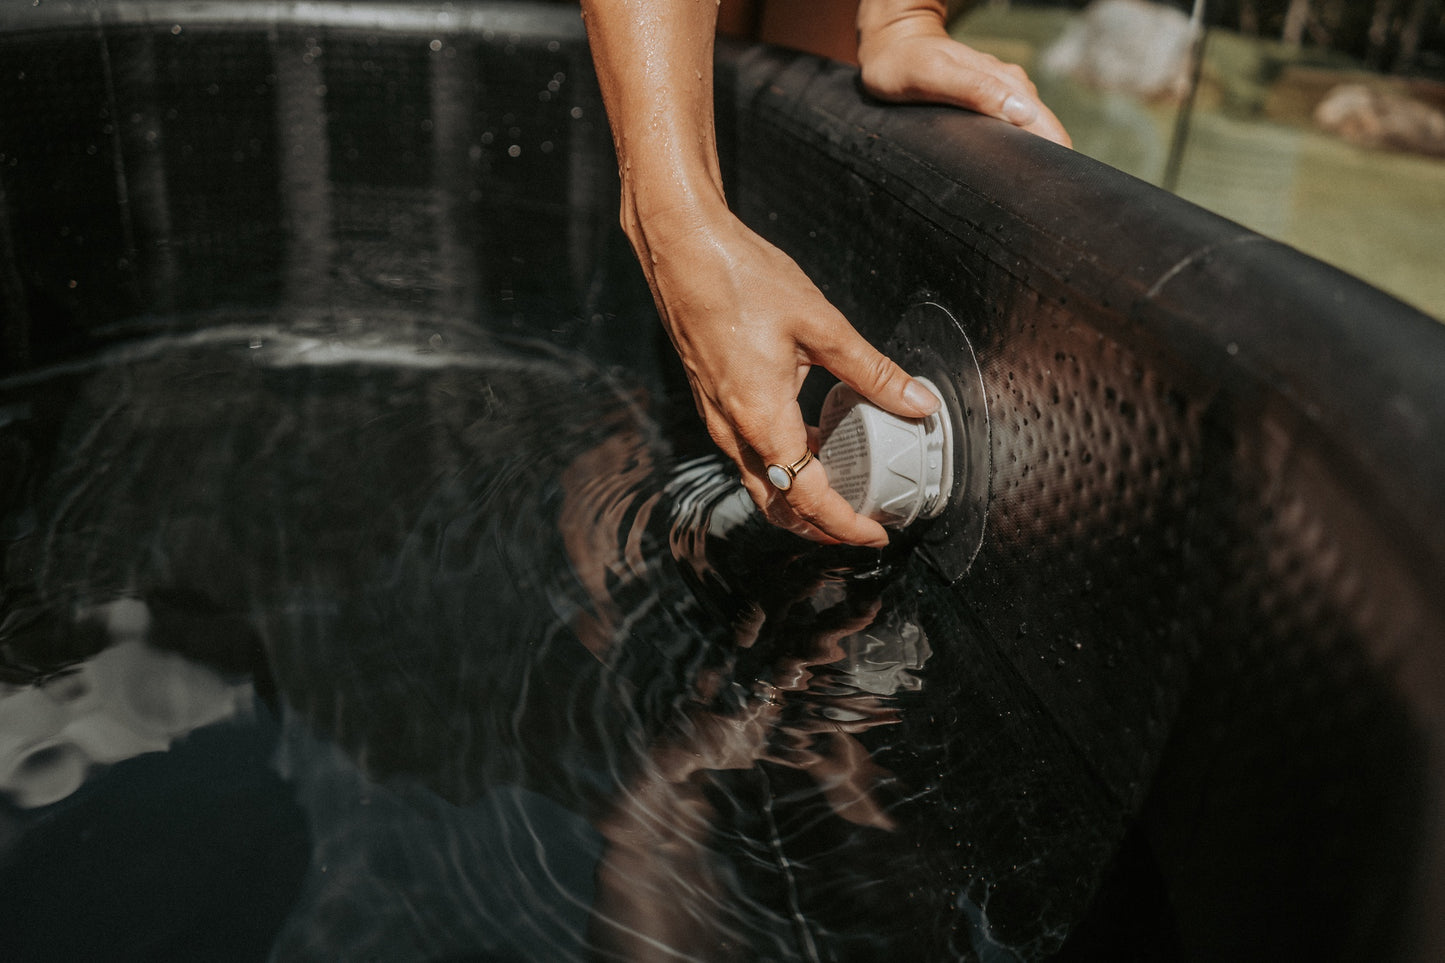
(891, 469)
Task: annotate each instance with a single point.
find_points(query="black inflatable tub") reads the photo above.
(314, 323)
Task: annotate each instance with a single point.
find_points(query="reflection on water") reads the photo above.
(360, 642)
(127, 699)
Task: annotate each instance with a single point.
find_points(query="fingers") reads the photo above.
(754, 476)
(933, 68)
(747, 361)
(809, 508)
(1049, 127)
(848, 355)
(982, 83)
(1004, 91)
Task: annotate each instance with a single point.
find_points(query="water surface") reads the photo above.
(359, 639)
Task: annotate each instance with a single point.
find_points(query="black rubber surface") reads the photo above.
(1214, 545)
(1204, 632)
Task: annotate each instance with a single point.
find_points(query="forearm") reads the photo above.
(654, 63)
(745, 320)
(657, 893)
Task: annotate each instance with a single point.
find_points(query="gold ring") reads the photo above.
(767, 693)
(782, 475)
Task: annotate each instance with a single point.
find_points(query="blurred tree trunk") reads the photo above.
(1248, 18)
(1382, 28)
(1410, 33)
(1296, 17)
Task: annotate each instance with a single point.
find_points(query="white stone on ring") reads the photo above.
(782, 475)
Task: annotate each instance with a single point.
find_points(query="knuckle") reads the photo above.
(1021, 79)
(939, 57)
(992, 93)
(764, 501)
(807, 506)
(718, 431)
(882, 80)
(879, 373)
(932, 73)
(750, 425)
(780, 514)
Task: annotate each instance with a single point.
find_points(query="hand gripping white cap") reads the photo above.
(894, 470)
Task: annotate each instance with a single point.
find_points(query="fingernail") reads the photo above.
(920, 397)
(1018, 111)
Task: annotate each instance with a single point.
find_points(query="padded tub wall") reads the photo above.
(1208, 592)
(161, 159)
(1214, 545)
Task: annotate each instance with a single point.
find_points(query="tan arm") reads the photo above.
(745, 320)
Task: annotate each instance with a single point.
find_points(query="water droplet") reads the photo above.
(514, 151)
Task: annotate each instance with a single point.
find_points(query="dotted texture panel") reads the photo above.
(71, 247)
(159, 169)
(1219, 605)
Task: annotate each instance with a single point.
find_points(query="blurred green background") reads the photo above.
(1254, 150)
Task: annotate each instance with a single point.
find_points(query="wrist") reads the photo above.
(882, 22)
(659, 211)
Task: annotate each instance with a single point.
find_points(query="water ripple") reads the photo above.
(535, 688)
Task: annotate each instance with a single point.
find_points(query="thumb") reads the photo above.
(876, 377)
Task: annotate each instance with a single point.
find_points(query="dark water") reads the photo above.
(351, 640)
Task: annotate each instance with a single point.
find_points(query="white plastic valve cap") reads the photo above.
(894, 470)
